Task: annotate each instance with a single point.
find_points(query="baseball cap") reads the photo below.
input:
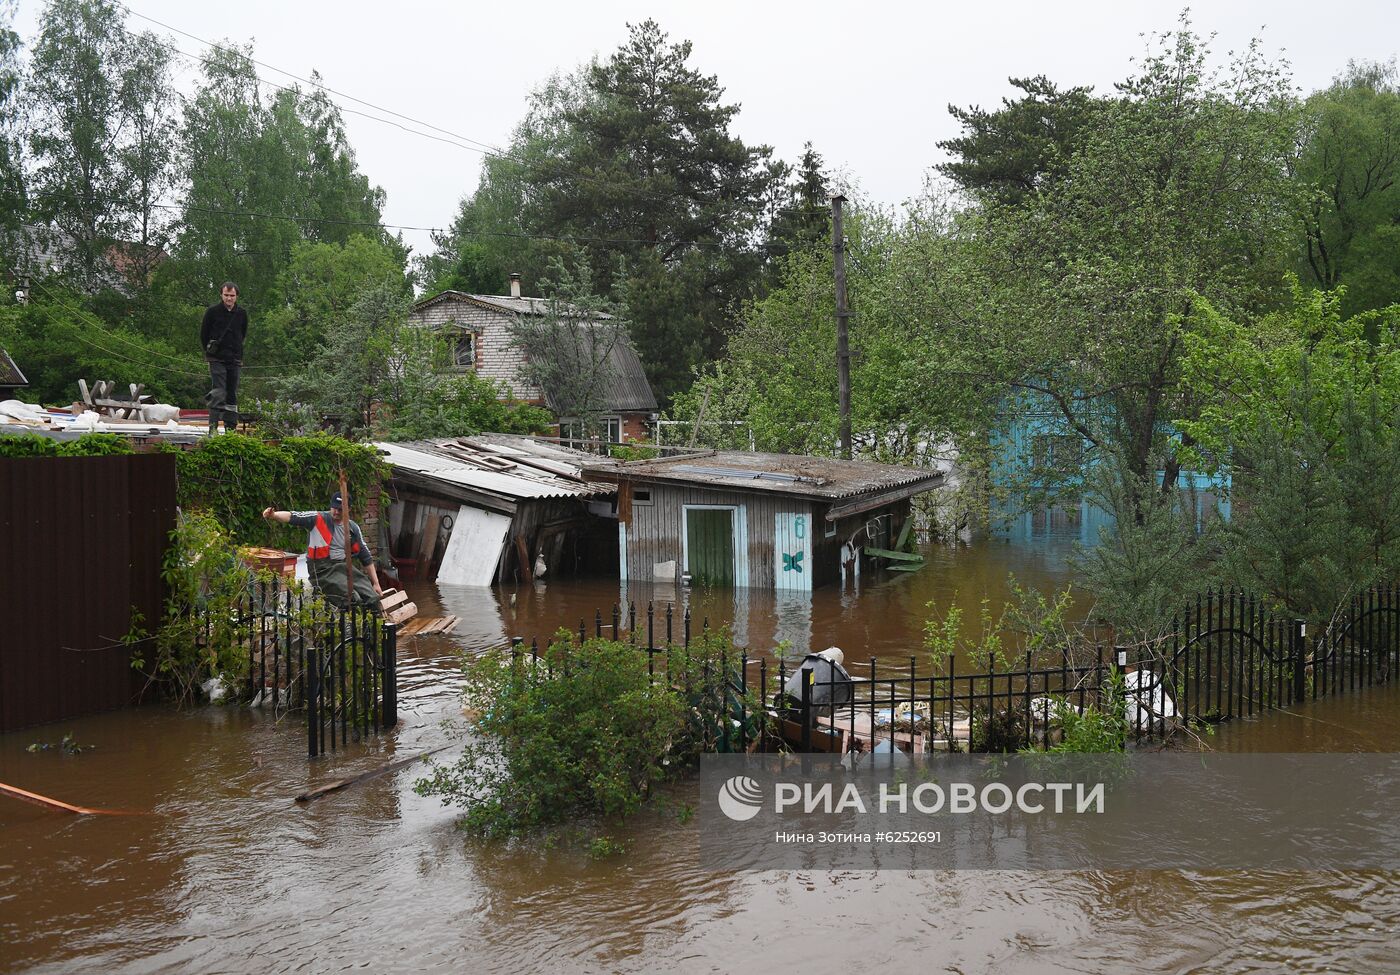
(335, 500)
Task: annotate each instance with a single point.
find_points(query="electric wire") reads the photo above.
(475, 145)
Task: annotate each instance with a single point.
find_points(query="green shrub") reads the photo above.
(1094, 730)
(583, 731)
(203, 630)
(88, 445)
(96, 445)
(27, 445)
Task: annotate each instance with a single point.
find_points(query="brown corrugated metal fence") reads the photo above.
(81, 544)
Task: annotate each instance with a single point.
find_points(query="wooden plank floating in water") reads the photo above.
(58, 806)
(429, 626)
(339, 784)
(886, 553)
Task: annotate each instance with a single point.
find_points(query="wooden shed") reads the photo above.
(772, 521)
(494, 508)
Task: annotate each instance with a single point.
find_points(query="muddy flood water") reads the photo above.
(219, 871)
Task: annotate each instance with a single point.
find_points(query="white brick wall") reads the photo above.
(497, 358)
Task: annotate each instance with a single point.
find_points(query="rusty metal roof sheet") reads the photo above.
(814, 477)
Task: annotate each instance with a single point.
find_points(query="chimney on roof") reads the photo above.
(514, 285)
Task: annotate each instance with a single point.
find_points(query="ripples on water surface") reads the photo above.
(227, 874)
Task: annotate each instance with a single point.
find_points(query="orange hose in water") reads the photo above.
(17, 793)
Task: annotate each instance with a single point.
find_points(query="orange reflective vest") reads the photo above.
(314, 551)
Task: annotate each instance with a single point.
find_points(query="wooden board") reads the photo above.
(885, 553)
(832, 740)
(429, 626)
(858, 726)
(429, 542)
(401, 613)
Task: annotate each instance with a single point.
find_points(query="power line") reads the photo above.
(486, 147)
(564, 238)
(476, 145)
(89, 320)
(98, 325)
(297, 94)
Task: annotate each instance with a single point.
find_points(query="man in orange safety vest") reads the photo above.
(325, 553)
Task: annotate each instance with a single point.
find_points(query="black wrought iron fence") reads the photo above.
(339, 666)
(1225, 658)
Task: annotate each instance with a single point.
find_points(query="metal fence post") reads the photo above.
(807, 677)
(313, 702)
(1300, 652)
(389, 657)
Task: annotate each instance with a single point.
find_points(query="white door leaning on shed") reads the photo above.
(474, 548)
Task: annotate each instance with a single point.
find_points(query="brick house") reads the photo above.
(480, 328)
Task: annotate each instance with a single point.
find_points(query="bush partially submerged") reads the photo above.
(585, 730)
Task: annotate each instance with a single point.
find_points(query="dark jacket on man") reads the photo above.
(227, 329)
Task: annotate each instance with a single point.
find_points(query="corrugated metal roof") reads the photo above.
(815, 477)
(481, 468)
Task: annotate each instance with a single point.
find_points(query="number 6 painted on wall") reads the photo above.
(799, 527)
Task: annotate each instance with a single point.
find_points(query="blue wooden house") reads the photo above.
(1037, 451)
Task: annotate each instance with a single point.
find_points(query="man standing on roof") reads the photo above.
(325, 553)
(221, 334)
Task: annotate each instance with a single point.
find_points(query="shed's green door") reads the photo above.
(709, 540)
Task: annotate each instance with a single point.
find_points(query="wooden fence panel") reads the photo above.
(81, 540)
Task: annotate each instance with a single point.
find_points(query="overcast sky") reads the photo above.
(867, 83)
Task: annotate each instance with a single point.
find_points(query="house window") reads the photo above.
(570, 430)
(608, 428)
(641, 496)
(1057, 453)
(464, 351)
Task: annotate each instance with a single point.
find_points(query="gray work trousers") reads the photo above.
(223, 398)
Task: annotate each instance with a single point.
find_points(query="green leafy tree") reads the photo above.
(631, 164)
(90, 84)
(219, 128)
(901, 413)
(342, 377)
(1077, 295)
(421, 396)
(667, 176)
(494, 234)
(13, 203)
(314, 293)
(262, 178)
(1303, 407)
(1349, 160)
(58, 341)
(568, 350)
(147, 156)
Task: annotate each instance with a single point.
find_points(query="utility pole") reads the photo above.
(843, 347)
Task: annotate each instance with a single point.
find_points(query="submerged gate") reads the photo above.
(338, 666)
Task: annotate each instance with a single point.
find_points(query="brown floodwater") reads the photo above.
(222, 872)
